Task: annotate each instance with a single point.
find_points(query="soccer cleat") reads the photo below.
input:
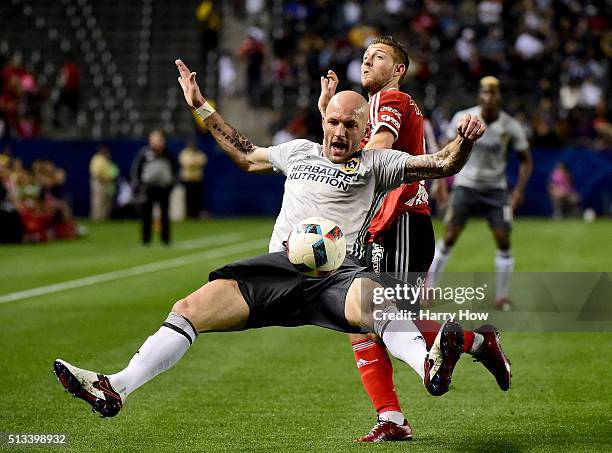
(386, 431)
(492, 356)
(93, 388)
(442, 358)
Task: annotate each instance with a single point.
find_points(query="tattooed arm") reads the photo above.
(240, 149)
(245, 154)
(450, 159)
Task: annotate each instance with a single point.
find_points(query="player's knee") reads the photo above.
(183, 307)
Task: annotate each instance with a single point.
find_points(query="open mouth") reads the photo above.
(339, 147)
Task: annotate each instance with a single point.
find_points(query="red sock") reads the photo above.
(430, 329)
(468, 340)
(376, 373)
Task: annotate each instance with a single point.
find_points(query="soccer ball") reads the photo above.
(316, 246)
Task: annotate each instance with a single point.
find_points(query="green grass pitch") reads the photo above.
(281, 389)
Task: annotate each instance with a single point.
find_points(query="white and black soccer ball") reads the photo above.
(316, 246)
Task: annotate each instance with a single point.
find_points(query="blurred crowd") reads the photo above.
(552, 57)
(33, 207)
(24, 101)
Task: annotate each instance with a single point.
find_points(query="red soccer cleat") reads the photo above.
(386, 431)
(492, 356)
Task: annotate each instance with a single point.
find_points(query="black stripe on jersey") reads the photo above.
(376, 202)
(361, 236)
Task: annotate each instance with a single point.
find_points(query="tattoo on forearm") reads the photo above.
(425, 166)
(234, 138)
(446, 162)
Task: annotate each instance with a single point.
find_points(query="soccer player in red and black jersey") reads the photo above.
(399, 236)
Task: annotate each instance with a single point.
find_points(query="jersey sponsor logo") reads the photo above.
(350, 166)
(391, 120)
(326, 175)
(386, 108)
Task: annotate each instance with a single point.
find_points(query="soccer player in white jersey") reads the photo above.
(481, 188)
(270, 291)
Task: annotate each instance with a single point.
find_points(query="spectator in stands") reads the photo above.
(227, 74)
(192, 162)
(252, 50)
(52, 179)
(102, 175)
(467, 53)
(534, 46)
(70, 92)
(209, 24)
(11, 229)
(37, 197)
(603, 128)
(564, 198)
(153, 175)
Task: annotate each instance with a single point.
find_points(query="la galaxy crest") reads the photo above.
(351, 166)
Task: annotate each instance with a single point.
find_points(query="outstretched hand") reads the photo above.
(329, 84)
(470, 127)
(191, 90)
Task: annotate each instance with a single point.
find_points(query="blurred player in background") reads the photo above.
(398, 234)
(481, 188)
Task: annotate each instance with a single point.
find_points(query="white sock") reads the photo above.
(478, 340)
(504, 265)
(438, 264)
(392, 416)
(158, 353)
(403, 340)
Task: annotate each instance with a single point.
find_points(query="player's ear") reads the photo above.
(400, 69)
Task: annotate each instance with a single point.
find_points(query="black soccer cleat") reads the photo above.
(492, 356)
(442, 358)
(93, 388)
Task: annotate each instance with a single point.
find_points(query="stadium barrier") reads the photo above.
(231, 192)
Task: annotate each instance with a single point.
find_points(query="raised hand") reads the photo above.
(470, 127)
(191, 90)
(329, 84)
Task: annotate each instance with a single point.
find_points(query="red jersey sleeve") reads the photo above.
(387, 109)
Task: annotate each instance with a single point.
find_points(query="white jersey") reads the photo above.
(348, 193)
(486, 167)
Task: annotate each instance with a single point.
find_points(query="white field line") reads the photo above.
(219, 239)
(136, 270)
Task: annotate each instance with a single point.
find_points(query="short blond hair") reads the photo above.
(489, 81)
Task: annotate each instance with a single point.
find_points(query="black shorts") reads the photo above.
(280, 295)
(408, 246)
(403, 254)
(491, 204)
